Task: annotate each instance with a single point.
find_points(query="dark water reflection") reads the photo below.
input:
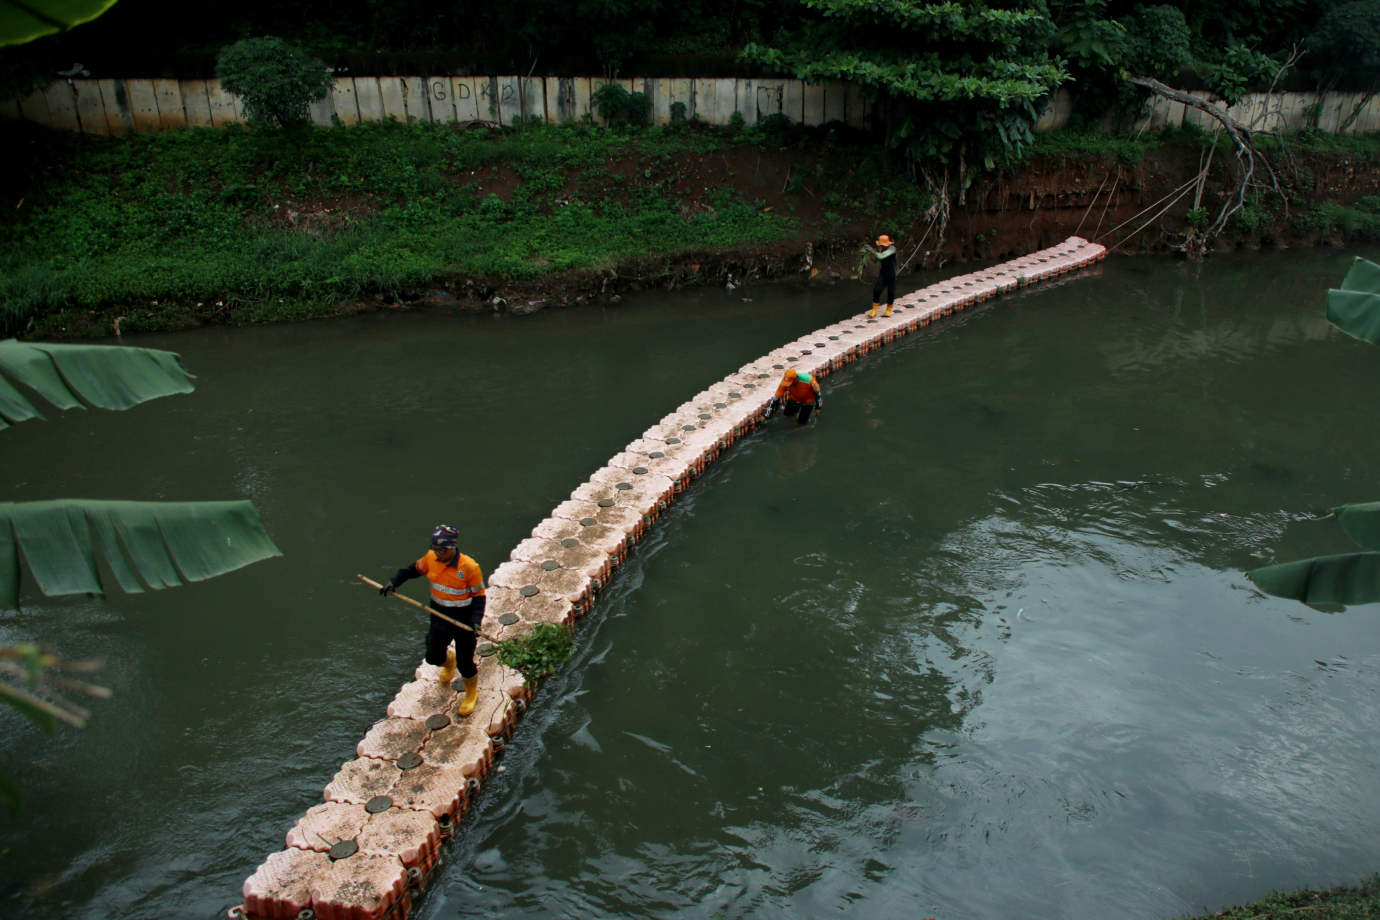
(976, 645)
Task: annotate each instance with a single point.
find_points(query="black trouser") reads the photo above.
(889, 283)
(440, 634)
(792, 407)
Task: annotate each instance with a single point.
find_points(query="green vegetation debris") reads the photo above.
(538, 653)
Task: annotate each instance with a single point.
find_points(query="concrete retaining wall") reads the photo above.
(124, 106)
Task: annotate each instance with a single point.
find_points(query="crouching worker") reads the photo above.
(457, 591)
(801, 394)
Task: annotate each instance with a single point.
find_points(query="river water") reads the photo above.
(978, 644)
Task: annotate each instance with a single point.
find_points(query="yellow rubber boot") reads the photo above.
(873, 311)
(471, 696)
(888, 310)
(447, 673)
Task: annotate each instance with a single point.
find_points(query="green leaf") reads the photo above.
(1361, 522)
(23, 21)
(166, 542)
(1351, 578)
(106, 376)
(1355, 308)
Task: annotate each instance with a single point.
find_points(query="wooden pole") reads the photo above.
(431, 610)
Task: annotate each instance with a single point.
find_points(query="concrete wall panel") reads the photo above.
(90, 107)
(143, 104)
(195, 104)
(812, 104)
(661, 101)
(856, 107)
(117, 117)
(62, 106)
(35, 108)
(171, 110)
(581, 87)
(440, 99)
(343, 101)
(321, 110)
(835, 98)
(1366, 124)
(532, 96)
(557, 100)
(392, 99)
(508, 102)
(745, 100)
(702, 100)
(678, 91)
(769, 97)
(472, 96)
(369, 98)
(416, 99)
(793, 102)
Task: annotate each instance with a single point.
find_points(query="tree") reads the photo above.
(164, 543)
(958, 82)
(276, 81)
(1349, 578)
(1346, 43)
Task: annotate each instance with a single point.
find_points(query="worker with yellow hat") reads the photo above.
(886, 274)
(801, 394)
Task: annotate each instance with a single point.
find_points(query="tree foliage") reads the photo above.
(276, 81)
(956, 79)
(1346, 41)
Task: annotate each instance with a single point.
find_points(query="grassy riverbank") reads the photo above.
(205, 222)
(160, 231)
(1343, 902)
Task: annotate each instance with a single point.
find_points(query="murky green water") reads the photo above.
(978, 644)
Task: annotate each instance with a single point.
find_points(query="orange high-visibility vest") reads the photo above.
(453, 584)
(800, 391)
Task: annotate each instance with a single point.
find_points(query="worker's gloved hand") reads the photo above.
(773, 406)
(388, 588)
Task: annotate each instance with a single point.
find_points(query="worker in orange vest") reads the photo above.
(800, 391)
(457, 590)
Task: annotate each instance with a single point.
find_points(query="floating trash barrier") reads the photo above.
(376, 839)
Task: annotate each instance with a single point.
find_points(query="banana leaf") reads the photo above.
(106, 376)
(1355, 308)
(25, 20)
(1361, 522)
(164, 543)
(1348, 579)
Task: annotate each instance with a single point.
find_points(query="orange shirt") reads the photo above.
(799, 391)
(455, 583)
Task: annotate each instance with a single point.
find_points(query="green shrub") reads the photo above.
(611, 102)
(638, 110)
(1353, 223)
(276, 81)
